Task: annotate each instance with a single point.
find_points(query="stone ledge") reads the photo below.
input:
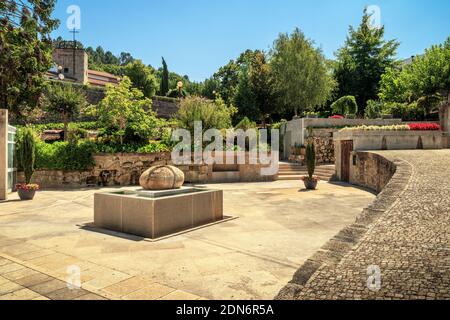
(348, 238)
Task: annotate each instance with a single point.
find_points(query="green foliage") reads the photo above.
(345, 105)
(39, 128)
(212, 114)
(374, 109)
(142, 77)
(427, 77)
(154, 147)
(254, 96)
(122, 116)
(405, 111)
(25, 52)
(26, 152)
(246, 124)
(300, 71)
(311, 159)
(363, 59)
(65, 100)
(164, 85)
(175, 93)
(65, 155)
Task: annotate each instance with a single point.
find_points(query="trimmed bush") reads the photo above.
(345, 105)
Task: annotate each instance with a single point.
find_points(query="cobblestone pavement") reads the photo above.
(404, 235)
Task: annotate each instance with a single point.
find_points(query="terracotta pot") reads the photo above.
(26, 194)
(310, 184)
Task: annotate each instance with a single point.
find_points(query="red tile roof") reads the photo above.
(105, 78)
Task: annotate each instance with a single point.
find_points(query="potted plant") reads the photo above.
(310, 180)
(26, 147)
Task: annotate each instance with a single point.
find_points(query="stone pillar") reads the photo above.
(3, 154)
(444, 115)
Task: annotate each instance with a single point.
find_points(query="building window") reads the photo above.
(66, 70)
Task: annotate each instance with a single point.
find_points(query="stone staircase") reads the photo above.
(292, 171)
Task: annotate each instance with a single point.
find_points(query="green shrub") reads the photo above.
(405, 111)
(212, 114)
(26, 152)
(345, 105)
(374, 109)
(245, 124)
(154, 147)
(39, 128)
(65, 155)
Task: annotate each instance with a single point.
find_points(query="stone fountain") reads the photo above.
(160, 208)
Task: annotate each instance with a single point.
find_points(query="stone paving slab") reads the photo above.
(403, 251)
(278, 227)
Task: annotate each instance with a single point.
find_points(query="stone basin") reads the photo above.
(155, 214)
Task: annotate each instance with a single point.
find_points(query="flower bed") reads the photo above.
(424, 127)
(409, 127)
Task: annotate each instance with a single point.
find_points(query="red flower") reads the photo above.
(424, 126)
(336, 117)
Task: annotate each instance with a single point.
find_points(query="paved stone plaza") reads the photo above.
(405, 233)
(252, 257)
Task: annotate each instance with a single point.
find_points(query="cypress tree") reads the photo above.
(164, 79)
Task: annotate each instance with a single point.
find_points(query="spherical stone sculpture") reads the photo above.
(162, 178)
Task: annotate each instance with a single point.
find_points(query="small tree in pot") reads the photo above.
(310, 180)
(26, 149)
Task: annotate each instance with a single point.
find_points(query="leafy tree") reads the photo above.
(25, 52)
(122, 114)
(164, 89)
(427, 77)
(125, 58)
(363, 59)
(261, 83)
(65, 100)
(345, 105)
(301, 76)
(142, 77)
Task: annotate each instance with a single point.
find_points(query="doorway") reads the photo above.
(346, 150)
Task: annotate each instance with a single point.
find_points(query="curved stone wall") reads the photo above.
(403, 233)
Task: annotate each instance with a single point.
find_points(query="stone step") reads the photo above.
(298, 177)
(317, 172)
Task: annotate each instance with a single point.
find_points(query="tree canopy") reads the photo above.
(363, 59)
(25, 52)
(301, 77)
(428, 75)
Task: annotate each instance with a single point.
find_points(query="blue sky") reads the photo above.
(196, 37)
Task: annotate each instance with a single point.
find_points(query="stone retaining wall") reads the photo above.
(124, 169)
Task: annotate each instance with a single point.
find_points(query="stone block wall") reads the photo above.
(121, 169)
(125, 169)
(371, 170)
